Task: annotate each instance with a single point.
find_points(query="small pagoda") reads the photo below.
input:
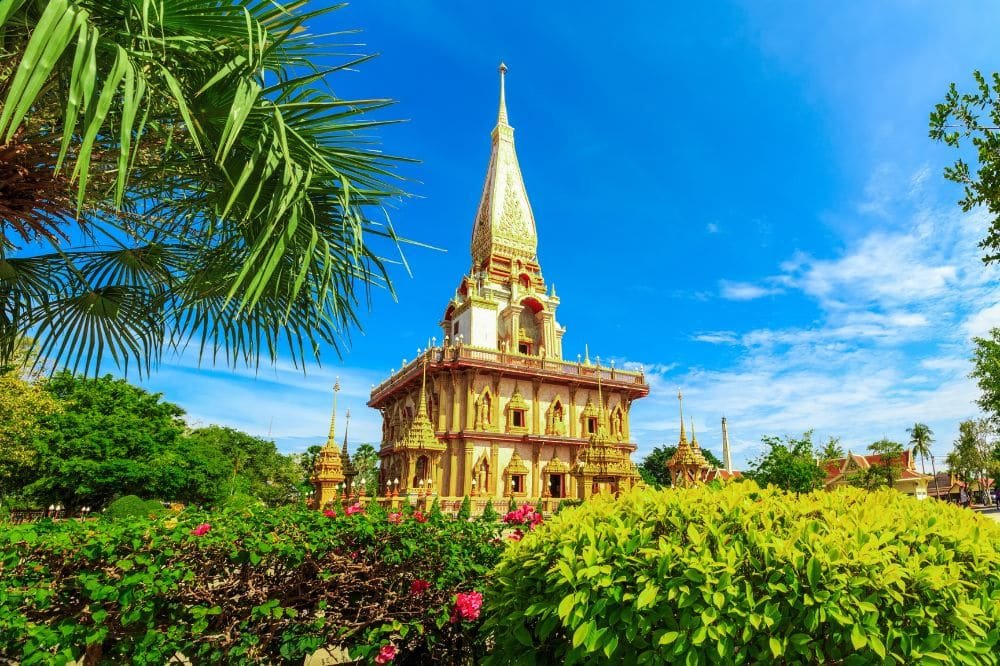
(603, 466)
(688, 466)
(333, 472)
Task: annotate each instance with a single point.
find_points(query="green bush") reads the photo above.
(242, 502)
(489, 515)
(465, 511)
(744, 575)
(231, 587)
(131, 506)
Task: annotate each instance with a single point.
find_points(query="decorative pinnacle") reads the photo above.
(346, 426)
(502, 114)
(331, 440)
(680, 401)
(422, 407)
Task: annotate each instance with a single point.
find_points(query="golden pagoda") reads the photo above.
(688, 466)
(481, 413)
(328, 470)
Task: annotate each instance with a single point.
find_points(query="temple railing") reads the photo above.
(515, 360)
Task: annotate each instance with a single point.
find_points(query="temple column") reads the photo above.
(535, 408)
(470, 400)
(440, 382)
(467, 470)
(456, 410)
(408, 466)
(535, 471)
(452, 453)
(494, 467)
(627, 409)
(573, 416)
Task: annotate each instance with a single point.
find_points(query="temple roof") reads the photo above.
(505, 225)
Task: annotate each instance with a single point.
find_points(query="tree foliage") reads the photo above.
(975, 117)
(921, 438)
(832, 450)
(366, 463)
(24, 406)
(986, 372)
(175, 172)
(974, 455)
(885, 471)
(789, 464)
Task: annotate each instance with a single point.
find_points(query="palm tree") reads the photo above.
(178, 172)
(921, 438)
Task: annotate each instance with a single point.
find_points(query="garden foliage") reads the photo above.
(745, 575)
(242, 586)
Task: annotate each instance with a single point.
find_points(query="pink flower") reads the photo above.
(467, 605)
(353, 509)
(201, 530)
(330, 513)
(516, 535)
(386, 654)
(419, 586)
(419, 517)
(395, 518)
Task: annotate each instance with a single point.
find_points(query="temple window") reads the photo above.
(524, 348)
(517, 418)
(591, 425)
(517, 483)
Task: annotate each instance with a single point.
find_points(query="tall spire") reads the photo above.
(504, 226)
(347, 424)
(331, 438)
(502, 114)
(727, 457)
(422, 407)
(680, 401)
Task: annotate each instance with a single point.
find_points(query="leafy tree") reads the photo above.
(366, 462)
(832, 450)
(465, 511)
(181, 171)
(921, 438)
(23, 409)
(105, 441)
(788, 463)
(253, 466)
(986, 372)
(975, 116)
(973, 457)
(653, 468)
(885, 471)
(307, 461)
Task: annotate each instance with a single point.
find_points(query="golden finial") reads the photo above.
(586, 354)
(331, 439)
(347, 425)
(502, 115)
(680, 401)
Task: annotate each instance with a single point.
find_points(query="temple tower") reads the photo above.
(494, 411)
(328, 470)
(727, 457)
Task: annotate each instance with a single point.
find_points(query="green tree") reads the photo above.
(832, 450)
(219, 192)
(104, 441)
(653, 468)
(885, 471)
(921, 438)
(986, 372)
(972, 459)
(307, 461)
(254, 466)
(976, 117)
(24, 407)
(788, 463)
(366, 462)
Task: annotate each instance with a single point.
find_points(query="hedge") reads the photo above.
(267, 585)
(744, 575)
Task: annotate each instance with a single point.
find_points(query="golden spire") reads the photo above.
(347, 424)
(502, 113)
(505, 225)
(331, 439)
(422, 407)
(680, 400)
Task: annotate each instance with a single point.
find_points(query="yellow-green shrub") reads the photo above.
(742, 575)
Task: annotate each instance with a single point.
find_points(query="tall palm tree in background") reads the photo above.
(921, 438)
(179, 172)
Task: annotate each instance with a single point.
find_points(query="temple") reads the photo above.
(688, 466)
(495, 411)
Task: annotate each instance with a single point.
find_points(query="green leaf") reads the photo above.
(647, 596)
(858, 638)
(777, 648)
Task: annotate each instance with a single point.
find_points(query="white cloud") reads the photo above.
(744, 291)
(712, 228)
(980, 323)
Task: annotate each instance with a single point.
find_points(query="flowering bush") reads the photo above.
(268, 585)
(467, 605)
(526, 515)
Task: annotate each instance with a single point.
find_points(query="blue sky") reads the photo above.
(741, 197)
